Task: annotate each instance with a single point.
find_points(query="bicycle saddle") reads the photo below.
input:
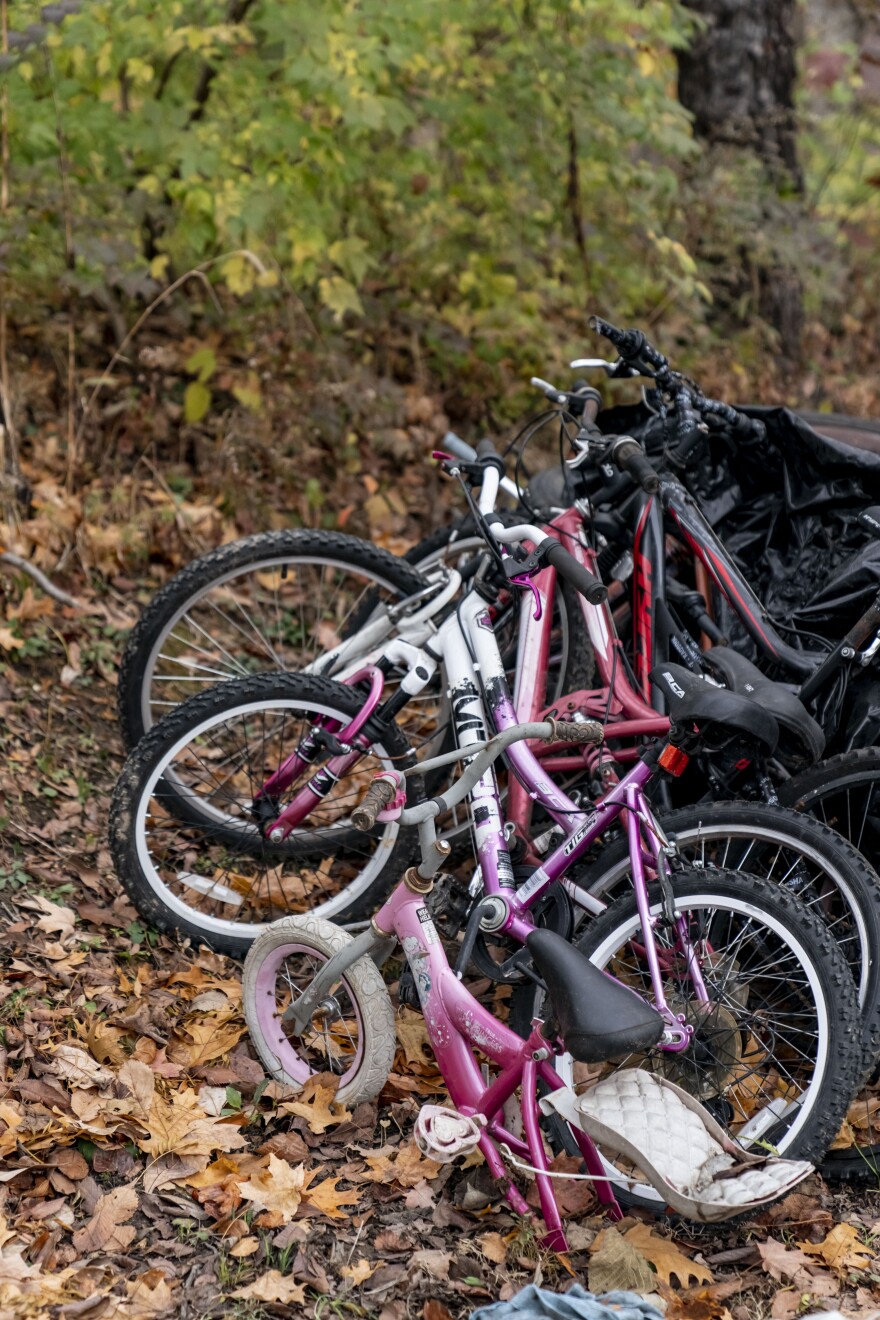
(694, 700)
(597, 1017)
(740, 675)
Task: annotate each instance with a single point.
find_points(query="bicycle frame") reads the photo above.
(478, 694)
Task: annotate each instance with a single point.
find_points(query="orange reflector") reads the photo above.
(674, 760)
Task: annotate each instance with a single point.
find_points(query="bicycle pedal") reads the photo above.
(443, 1134)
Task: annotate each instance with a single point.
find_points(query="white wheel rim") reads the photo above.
(241, 929)
(564, 1063)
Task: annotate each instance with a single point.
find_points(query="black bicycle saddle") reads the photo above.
(740, 675)
(597, 1017)
(693, 700)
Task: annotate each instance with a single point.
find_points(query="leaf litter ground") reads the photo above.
(148, 1168)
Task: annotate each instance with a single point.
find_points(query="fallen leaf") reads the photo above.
(273, 1286)
(616, 1265)
(408, 1167)
(360, 1271)
(149, 1297)
(325, 1197)
(493, 1247)
(278, 1188)
(55, 918)
(431, 1261)
(317, 1103)
(107, 1230)
(784, 1264)
(843, 1250)
(666, 1258)
(245, 1246)
(72, 1064)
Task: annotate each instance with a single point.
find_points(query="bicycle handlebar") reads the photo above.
(690, 403)
(378, 796)
(479, 757)
(629, 456)
(586, 583)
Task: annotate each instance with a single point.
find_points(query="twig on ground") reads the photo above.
(10, 560)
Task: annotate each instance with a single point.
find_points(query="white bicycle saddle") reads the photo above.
(683, 1152)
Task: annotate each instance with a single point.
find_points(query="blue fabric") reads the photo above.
(535, 1303)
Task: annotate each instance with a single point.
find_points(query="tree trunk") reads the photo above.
(737, 78)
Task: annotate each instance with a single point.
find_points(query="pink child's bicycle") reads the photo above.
(728, 1025)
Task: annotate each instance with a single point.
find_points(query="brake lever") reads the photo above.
(615, 369)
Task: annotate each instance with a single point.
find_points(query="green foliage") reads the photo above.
(441, 155)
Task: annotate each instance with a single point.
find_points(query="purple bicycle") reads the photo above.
(770, 1017)
(730, 996)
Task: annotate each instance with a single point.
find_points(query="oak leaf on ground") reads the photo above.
(326, 1197)
(317, 1103)
(843, 1250)
(278, 1188)
(273, 1286)
(406, 1166)
(666, 1258)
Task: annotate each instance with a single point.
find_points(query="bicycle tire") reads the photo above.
(837, 1067)
(265, 551)
(153, 872)
(830, 791)
(741, 822)
(364, 986)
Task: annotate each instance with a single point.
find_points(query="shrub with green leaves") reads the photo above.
(473, 165)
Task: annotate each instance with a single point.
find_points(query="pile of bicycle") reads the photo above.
(562, 747)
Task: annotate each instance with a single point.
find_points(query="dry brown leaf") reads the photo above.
(73, 1065)
(616, 1265)
(325, 1197)
(360, 1271)
(782, 1263)
(107, 1230)
(9, 641)
(434, 1310)
(245, 1246)
(843, 1250)
(183, 1128)
(29, 607)
(413, 1037)
(317, 1103)
(55, 918)
(211, 1038)
(273, 1286)
(493, 1247)
(666, 1258)
(433, 1262)
(408, 1167)
(149, 1297)
(278, 1188)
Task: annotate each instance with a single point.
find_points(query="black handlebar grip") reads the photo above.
(583, 581)
(486, 448)
(629, 343)
(630, 458)
(376, 799)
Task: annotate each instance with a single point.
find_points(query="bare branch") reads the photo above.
(10, 560)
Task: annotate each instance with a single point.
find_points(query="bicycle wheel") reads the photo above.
(273, 601)
(352, 1032)
(214, 876)
(843, 792)
(793, 851)
(775, 1053)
